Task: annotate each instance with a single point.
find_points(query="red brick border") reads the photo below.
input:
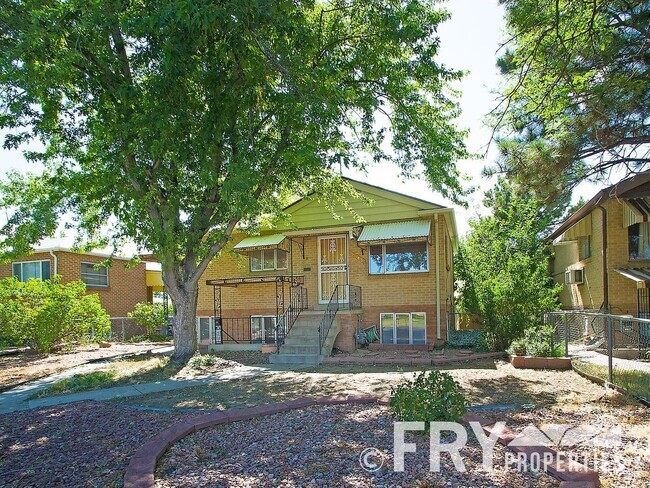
(353, 361)
(140, 472)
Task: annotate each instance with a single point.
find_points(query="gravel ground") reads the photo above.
(26, 366)
(321, 446)
(75, 445)
(624, 464)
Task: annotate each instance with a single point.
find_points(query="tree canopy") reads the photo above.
(169, 123)
(577, 98)
(502, 264)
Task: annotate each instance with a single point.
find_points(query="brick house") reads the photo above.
(602, 251)
(118, 288)
(336, 275)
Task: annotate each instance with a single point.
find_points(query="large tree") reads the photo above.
(503, 262)
(168, 123)
(577, 98)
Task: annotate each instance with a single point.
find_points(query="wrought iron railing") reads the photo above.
(328, 317)
(238, 330)
(297, 303)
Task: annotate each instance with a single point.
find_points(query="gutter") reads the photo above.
(439, 337)
(605, 276)
(56, 263)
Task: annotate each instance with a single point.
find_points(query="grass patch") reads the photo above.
(634, 382)
(79, 382)
(131, 371)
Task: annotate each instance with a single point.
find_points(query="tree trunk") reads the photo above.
(185, 301)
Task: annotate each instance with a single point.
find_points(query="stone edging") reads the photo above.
(141, 469)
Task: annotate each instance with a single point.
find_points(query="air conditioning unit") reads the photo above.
(574, 276)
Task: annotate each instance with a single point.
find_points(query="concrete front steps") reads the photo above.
(301, 346)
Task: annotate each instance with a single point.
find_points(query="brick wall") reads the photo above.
(126, 287)
(590, 294)
(408, 292)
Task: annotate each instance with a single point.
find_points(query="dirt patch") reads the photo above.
(81, 444)
(484, 382)
(16, 369)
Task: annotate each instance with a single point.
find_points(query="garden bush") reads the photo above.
(431, 397)
(537, 341)
(150, 316)
(199, 361)
(43, 314)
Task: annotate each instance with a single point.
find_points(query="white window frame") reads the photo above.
(275, 323)
(410, 314)
(275, 260)
(93, 265)
(383, 259)
(40, 268)
(210, 329)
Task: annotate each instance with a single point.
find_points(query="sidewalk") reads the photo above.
(16, 399)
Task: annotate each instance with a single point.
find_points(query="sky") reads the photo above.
(469, 42)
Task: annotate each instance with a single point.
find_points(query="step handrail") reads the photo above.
(328, 318)
(284, 322)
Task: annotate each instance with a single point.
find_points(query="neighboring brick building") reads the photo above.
(602, 251)
(119, 288)
(394, 270)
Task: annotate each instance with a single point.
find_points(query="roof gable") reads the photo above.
(386, 205)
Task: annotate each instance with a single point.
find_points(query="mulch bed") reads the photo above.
(80, 444)
(321, 446)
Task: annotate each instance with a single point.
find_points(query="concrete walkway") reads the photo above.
(17, 398)
(599, 359)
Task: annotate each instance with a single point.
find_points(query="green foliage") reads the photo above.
(537, 341)
(150, 316)
(463, 338)
(577, 97)
(43, 314)
(502, 266)
(431, 397)
(199, 361)
(168, 123)
(79, 382)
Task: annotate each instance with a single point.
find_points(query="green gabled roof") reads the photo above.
(260, 241)
(414, 229)
(308, 213)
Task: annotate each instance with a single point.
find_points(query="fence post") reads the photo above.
(610, 350)
(566, 336)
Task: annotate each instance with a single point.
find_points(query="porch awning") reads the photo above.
(256, 243)
(636, 274)
(413, 230)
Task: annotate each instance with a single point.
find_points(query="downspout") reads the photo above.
(438, 335)
(605, 277)
(56, 264)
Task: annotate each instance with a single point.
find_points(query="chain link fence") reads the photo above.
(124, 328)
(614, 349)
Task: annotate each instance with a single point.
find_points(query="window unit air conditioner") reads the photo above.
(574, 276)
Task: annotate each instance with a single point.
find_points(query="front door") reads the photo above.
(332, 267)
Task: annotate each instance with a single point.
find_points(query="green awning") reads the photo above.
(413, 230)
(259, 242)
